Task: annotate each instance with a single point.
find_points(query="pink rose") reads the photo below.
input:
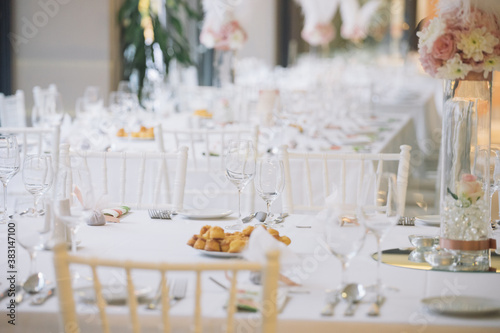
(444, 47)
(320, 34)
(429, 63)
(469, 190)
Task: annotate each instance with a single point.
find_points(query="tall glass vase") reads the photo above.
(465, 183)
(223, 68)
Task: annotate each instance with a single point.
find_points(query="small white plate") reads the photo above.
(113, 295)
(219, 254)
(205, 214)
(462, 305)
(432, 220)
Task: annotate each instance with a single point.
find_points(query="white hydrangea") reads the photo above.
(453, 69)
(427, 37)
(491, 64)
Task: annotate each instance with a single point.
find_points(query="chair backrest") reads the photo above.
(320, 169)
(140, 180)
(37, 140)
(207, 184)
(63, 260)
(12, 110)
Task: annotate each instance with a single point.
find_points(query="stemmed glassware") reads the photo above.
(269, 182)
(37, 177)
(10, 162)
(378, 210)
(240, 168)
(344, 235)
(494, 173)
(74, 197)
(32, 232)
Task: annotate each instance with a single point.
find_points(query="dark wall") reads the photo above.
(5, 49)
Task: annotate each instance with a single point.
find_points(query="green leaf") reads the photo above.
(453, 195)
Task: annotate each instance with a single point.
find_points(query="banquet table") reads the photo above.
(137, 237)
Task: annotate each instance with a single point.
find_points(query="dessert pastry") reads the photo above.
(199, 244)
(217, 233)
(212, 245)
(237, 246)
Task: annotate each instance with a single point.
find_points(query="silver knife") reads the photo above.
(42, 297)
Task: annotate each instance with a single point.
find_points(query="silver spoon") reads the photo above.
(260, 216)
(248, 218)
(34, 283)
(332, 299)
(352, 293)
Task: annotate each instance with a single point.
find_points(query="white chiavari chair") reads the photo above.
(12, 110)
(63, 260)
(206, 169)
(37, 140)
(320, 170)
(140, 180)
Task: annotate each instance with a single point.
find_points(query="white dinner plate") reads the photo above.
(112, 294)
(432, 220)
(205, 213)
(219, 254)
(462, 305)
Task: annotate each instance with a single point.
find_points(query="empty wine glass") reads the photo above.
(494, 173)
(74, 198)
(32, 232)
(378, 210)
(269, 183)
(37, 177)
(344, 234)
(9, 166)
(240, 168)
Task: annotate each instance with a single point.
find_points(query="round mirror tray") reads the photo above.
(406, 259)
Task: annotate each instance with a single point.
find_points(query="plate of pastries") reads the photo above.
(214, 242)
(145, 133)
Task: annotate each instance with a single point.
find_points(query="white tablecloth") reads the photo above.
(139, 238)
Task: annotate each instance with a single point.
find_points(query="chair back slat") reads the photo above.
(197, 306)
(101, 303)
(165, 303)
(132, 301)
(140, 185)
(231, 306)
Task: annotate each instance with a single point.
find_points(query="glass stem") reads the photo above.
(239, 204)
(379, 261)
(35, 202)
(73, 240)
(268, 204)
(4, 203)
(32, 262)
(343, 278)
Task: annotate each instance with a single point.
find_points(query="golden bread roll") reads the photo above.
(273, 232)
(212, 245)
(192, 240)
(237, 245)
(199, 244)
(248, 230)
(285, 240)
(224, 244)
(206, 235)
(204, 229)
(217, 233)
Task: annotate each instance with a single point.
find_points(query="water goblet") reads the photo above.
(240, 169)
(269, 183)
(32, 232)
(378, 210)
(37, 177)
(10, 161)
(344, 235)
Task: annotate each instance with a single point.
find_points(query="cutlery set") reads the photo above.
(353, 294)
(160, 214)
(20, 295)
(177, 293)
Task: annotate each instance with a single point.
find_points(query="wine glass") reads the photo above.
(10, 161)
(53, 108)
(269, 183)
(240, 168)
(344, 235)
(32, 232)
(37, 177)
(379, 210)
(73, 197)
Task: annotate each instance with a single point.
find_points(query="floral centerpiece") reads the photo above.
(462, 46)
(319, 34)
(226, 36)
(461, 40)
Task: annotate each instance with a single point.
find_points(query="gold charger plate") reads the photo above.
(399, 258)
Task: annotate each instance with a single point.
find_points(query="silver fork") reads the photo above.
(153, 213)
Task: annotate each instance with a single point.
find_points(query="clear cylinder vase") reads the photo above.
(223, 74)
(465, 175)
